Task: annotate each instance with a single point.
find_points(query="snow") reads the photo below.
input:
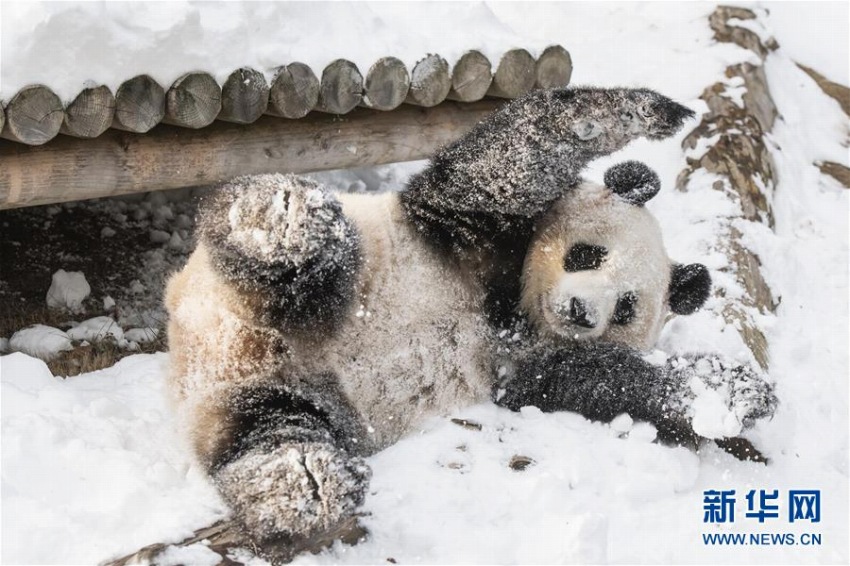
(95, 329)
(68, 290)
(44, 342)
(95, 465)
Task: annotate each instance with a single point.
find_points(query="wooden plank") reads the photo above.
(139, 104)
(193, 101)
(171, 157)
(244, 96)
(386, 85)
(341, 89)
(33, 116)
(430, 82)
(514, 76)
(294, 91)
(90, 114)
(553, 68)
(471, 77)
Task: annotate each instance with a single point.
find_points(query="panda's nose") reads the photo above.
(579, 314)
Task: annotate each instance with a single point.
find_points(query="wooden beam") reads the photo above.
(386, 84)
(554, 68)
(139, 104)
(170, 157)
(514, 76)
(244, 96)
(294, 91)
(90, 114)
(193, 101)
(471, 77)
(430, 82)
(341, 89)
(33, 116)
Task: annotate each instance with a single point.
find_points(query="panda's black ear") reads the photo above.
(633, 181)
(690, 286)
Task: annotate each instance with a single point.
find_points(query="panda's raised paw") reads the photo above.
(274, 219)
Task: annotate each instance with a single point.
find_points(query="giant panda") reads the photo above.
(309, 329)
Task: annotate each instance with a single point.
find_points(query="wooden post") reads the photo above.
(294, 91)
(33, 116)
(170, 157)
(90, 114)
(471, 77)
(553, 68)
(139, 105)
(386, 85)
(193, 101)
(244, 96)
(514, 76)
(341, 88)
(430, 82)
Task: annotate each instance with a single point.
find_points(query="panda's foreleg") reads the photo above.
(285, 465)
(600, 381)
(286, 245)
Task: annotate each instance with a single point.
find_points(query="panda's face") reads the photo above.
(597, 269)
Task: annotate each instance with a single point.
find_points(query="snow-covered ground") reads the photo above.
(94, 467)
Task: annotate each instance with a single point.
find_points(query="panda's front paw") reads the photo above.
(723, 398)
(296, 497)
(275, 219)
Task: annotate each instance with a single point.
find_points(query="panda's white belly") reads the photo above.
(416, 343)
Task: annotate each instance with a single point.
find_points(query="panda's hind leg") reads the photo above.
(283, 241)
(287, 463)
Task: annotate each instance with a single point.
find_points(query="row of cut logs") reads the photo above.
(35, 115)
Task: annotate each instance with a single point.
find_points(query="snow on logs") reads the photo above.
(35, 115)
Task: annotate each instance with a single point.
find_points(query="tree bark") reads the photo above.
(741, 159)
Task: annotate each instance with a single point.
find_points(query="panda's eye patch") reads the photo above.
(624, 312)
(582, 257)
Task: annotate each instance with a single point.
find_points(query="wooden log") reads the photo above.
(2, 116)
(739, 158)
(90, 113)
(386, 85)
(193, 101)
(471, 77)
(294, 91)
(430, 82)
(341, 89)
(514, 76)
(139, 105)
(33, 116)
(553, 68)
(170, 157)
(244, 96)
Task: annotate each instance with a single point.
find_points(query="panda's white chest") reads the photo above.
(416, 343)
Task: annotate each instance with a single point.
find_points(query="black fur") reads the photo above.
(599, 381)
(633, 181)
(315, 293)
(690, 286)
(265, 416)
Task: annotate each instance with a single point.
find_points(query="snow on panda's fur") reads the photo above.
(308, 330)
